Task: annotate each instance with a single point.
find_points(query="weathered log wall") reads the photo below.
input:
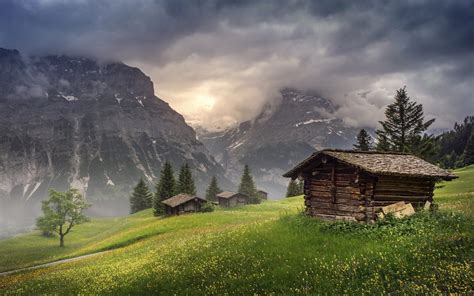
(335, 190)
(390, 190)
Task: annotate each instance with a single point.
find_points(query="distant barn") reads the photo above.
(232, 199)
(352, 185)
(182, 203)
(262, 195)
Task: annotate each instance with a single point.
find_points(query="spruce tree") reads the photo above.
(382, 143)
(247, 186)
(403, 129)
(212, 190)
(468, 157)
(185, 181)
(300, 187)
(165, 188)
(141, 197)
(364, 141)
(293, 188)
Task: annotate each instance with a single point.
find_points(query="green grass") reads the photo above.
(263, 249)
(106, 234)
(464, 184)
(458, 194)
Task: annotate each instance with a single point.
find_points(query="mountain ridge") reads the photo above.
(73, 122)
(283, 134)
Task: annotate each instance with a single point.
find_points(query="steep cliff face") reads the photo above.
(72, 122)
(280, 137)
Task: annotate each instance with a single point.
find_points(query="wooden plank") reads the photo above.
(345, 170)
(402, 192)
(399, 210)
(338, 207)
(408, 183)
(314, 182)
(335, 217)
(403, 187)
(393, 207)
(339, 195)
(347, 201)
(339, 189)
(408, 210)
(399, 197)
(333, 212)
(327, 176)
(383, 203)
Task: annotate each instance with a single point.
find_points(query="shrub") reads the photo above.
(207, 207)
(421, 223)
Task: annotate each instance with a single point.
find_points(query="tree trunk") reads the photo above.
(61, 240)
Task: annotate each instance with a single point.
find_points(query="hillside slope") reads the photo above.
(263, 249)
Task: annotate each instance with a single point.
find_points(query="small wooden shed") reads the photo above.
(355, 185)
(230, 199)
(183, 203)
(262, 195)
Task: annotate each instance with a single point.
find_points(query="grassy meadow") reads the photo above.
(258, 249)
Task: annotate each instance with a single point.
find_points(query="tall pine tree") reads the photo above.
(212, 190)
(165, 188)
(364, 141)
(141, 197)
(293, 188)
(382, 143)
(247, 186)
(469, 150)
(185, 181)
(452, 145)
(403, 128)
(301, 187)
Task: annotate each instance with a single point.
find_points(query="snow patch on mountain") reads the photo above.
(68, 98)
(313, 121)
(283, 134)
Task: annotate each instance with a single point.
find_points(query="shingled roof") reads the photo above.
(378, 163)
(228, 194)
(179, 199)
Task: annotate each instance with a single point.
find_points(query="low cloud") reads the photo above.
(219, 62)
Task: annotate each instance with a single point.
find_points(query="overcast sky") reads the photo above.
(218, 62)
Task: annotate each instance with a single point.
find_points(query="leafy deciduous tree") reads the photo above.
(61, 212)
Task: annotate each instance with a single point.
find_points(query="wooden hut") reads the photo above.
(262, 195)
(183, 203)
(353, 185)
(232, 199)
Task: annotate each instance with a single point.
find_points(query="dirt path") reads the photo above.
(5, 273)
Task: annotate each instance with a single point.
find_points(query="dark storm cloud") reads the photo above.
(218, 62)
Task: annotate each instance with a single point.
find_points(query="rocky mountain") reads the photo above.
(98, 127)
(281, 136)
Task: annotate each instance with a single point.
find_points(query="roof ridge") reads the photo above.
(364, 152)
(383, 163)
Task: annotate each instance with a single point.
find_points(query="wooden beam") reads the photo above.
(333, 179)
